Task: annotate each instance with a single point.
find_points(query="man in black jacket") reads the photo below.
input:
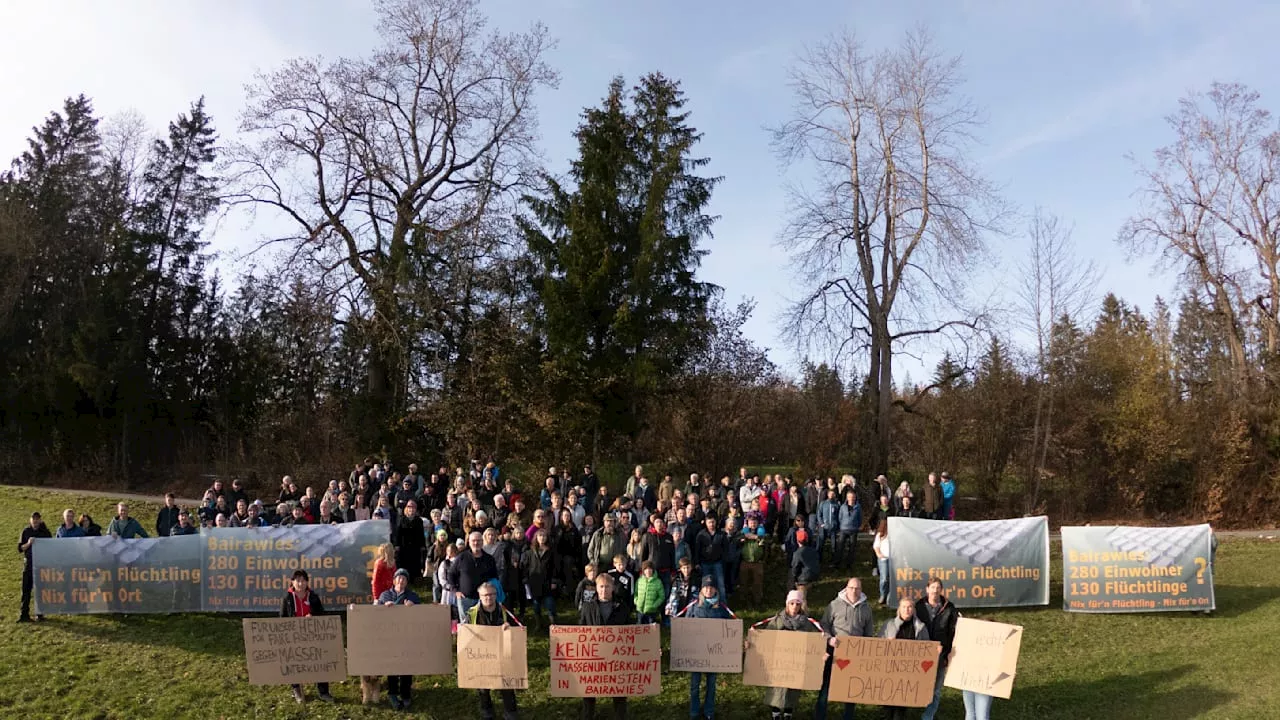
(489, 612)
(469, 571)
(36, 529)
(167, 518)
(657, 548)
(302, 601)
(606, 609)
(940, 616)
(709, 551)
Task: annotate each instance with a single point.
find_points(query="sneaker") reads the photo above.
(395, 701)
(297, 695)
(326, 697)
(404, 704)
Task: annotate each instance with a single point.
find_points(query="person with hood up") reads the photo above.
(848, 615)
(707, 605)
(903, 626)
(804, 564)
(782, 701)
(940, 616)
(399, 687)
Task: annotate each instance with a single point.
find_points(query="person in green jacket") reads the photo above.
(782, 702)
(650, 595)
(124, 526)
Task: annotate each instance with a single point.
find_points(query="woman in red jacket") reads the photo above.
(384, 569)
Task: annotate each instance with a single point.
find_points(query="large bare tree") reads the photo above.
(1056, 283)
(388, 167)
(1211, 208)
(895, 214)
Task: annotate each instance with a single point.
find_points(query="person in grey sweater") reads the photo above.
(848, 615)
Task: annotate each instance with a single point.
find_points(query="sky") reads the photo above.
(1068, 90)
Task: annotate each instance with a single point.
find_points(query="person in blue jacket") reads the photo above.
(707, 605)
(848, 523)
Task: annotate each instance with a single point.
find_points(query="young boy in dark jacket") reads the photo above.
(302, 601)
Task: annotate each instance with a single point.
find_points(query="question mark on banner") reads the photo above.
(1200, 565)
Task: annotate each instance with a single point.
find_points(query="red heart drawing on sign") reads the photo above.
(925, 665)
(842, 662)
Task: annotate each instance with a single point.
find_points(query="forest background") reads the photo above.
(434, 295)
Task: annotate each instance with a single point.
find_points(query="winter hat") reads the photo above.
(401, 573)
(802, 536)
(795, 596)
(708, 581)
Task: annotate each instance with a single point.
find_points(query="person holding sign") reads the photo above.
(935, 611)
(782, 701)
(904, 626)
(302, 601)
(399, 687)
(606, 609)
(848, 615)
(490, 612)
(708, 605)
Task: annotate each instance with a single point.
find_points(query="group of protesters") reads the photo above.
(650, 552)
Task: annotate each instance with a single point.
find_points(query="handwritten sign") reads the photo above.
(874, 671)
(398, 640)
(984, 657)
(706, 645)
(785, 659)
(285, 651)
(492, 657)
(605, 661)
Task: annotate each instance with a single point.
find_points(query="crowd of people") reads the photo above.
(647, 553)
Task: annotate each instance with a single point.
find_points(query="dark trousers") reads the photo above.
(619, 708)
(400, 686)
(509, 709)
(28, 582)
(848, 548)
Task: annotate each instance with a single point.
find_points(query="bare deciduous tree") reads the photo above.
(1056, 282)
(896, 213)
(1212, 209)
(384, 165)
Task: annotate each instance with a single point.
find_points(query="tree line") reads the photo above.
(428, 291)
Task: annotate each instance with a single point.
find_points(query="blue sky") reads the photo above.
(1067, 88)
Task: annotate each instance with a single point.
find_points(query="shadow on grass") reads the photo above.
(1141, 695)
(208, 634)
(1236, 600)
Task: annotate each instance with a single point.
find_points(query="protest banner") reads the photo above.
(248, 569)
(285, 651)
(492, 657)
(785, 659)
(706, 645)
(1118, 569)
(875, 671)
(109, 575)
(219, 570)
(984, 657)
(605, 661)
(398, 640)
(986, 563)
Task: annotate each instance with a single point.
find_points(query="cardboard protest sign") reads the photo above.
(492, 657)
(984, 657)
(285, 651)
(706, 645)
(398, 640)
(605, 661)
(785, 659)
(875, 671)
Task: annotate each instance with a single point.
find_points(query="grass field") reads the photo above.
(1172, 667)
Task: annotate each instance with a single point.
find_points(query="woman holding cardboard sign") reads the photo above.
(904, 626)
(708, 605)
(399, 687)
(782, 701)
